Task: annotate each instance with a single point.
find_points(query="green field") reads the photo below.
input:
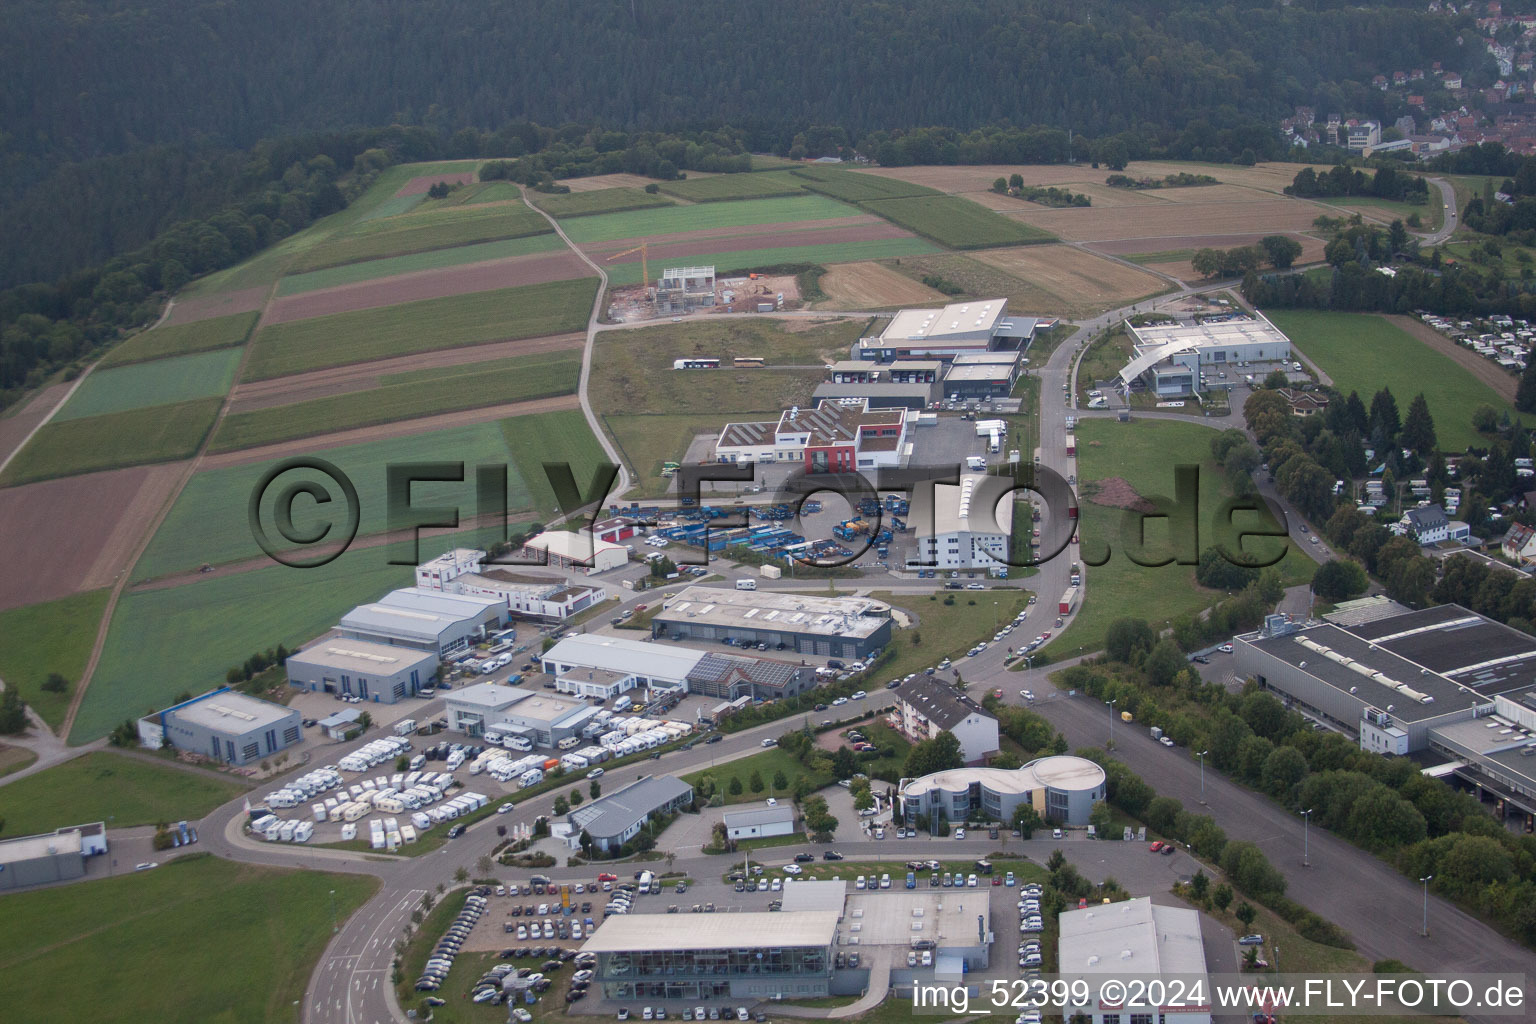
(855, 187)
(162, 433)
(449, 322)
(558, 437)
(144, 941)
(436, 259)
(162, 382)
(1365, 353)
(645, 223)
(55, 636)
(489, 192)
(723, 187)
(956, 222)
(646, 441)
(209, 523)
(104, 784)
(603, 200)
(468, 386)
(751, 259)
(1143, 453)
(181, 340)
(395, 206)
(418, 232)
(766, 764)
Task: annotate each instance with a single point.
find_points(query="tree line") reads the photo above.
(1340, 180)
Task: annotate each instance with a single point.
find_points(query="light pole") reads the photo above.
(1201, 756)
(1425, 882)
(1306, 835)
(334, 926)
(1111, 704)
(994, 616)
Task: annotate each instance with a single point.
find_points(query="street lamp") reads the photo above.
(1201, 756)
(1111, 704)
(1425, 882)
(334, 926)
(1306, 831)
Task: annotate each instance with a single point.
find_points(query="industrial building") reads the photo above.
(51, 857)
(761, 821)
(680, 289)
(959, 328)
(1132, 938)
(963, 526)
(750, 956)
(579, 550)
(224, 725)
(526, 596)
(927, 706)
(836, 627)
(440, 623)
(1060, 788)
(640, 663)
(542, 719)
(592, 665)
(834, 437)
(373, 672)
(1440, 681)
(613, 820)
(1170, 358)
(983, 375)
(884, 394)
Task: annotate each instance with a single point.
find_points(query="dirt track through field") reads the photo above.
(77, 533)
(246, 300)
(383, 431)
(534, 268)
(871, 286)
(419, 186)
(338, 380)
(15, 427)
(1486, 371)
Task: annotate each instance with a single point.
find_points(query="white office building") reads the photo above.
(1170, 358)
(964, 526)
(526, 595)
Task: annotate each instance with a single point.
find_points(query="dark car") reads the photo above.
(456, 831)
(1168, 850)
(714, 738)
(801, 858)
(831, 855)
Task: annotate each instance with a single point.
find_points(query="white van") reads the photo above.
(746, 584)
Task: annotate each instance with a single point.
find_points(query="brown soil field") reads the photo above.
(246, 300)
(1174, 219)
(1074, 275)
(1116, 492)
(870, 286)
(301, 387)
(773, 239)
(400, 428)
(419, 186)
(64, 536)
(599, 181)
(1486, 372)
(1208, 194)
(534, 268)
(18, 423)
(749, 231)
(1180, 269)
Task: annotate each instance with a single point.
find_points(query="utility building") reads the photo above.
(526, 595)
(613, 820)
(226, 726)
(821, 626)
(440, 623)
(964, 526)
(375, 672)
(51, 857)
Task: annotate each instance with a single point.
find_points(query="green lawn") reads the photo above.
(435, 259)
(721, 187)
(558, 437)
(646, 441)
(418, 232)
(103, 784)
(144, 941)
(755, 259)
(489, 192)
(956, 222)
(209, 523)
(1365, 353)
(603, 200)
(748, 212)
(396, 206)
(162, 382)
(1431, 214)
(162, 433)
(766, 763)
(449, 322)
(1144, 454)
(946, 630)
(468, 386)
(40, 639)
(181, 339)
(855, 187)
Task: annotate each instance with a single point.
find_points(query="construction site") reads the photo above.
(681, 291)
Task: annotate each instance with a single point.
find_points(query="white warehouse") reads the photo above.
(1171, 357)
(964, 526)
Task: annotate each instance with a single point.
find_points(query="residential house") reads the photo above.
(1428, 524)
(1519, 544)
(927, 706)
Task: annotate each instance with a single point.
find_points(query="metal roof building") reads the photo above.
(958, 328)
(649, 663)
(823, 626)
(51, 857)
(224, 725)
(544, 719)
(424, 620)
(1132, 938)
(757, 822)
(375, 672)
(615, 819)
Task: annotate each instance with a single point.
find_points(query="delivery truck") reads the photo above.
(1068, 602)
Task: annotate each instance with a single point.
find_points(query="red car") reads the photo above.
(1157, 845)
(606, 877)
(1046, 635)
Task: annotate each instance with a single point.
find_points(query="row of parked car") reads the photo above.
(441, 961)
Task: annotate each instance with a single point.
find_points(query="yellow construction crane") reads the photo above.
(645, 268)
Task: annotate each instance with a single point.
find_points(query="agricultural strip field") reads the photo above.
(1083, 283)
(181, 340)
(1271, 177)
(752, 259)
(132, 934)
(872, 286)
(647, 224)
(162, 382)
(1215, 222)
(55, 636)
(232, 615)
(1144, 454)
(596, 182)
(396, 206)
(437, 259)
(1366, 353)
(514, 271)
(439, 229)
(980, 280)
(406, 396)
(76, 533)
(956, 222)
(856, 187)
(723, 187)
(607, 200)
(419, 185)
(162, 433)
(103, 784)
(430, 324)
(190, 307)
(208, 523)
(557, 437)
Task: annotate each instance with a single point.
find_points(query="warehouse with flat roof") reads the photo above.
(1170, 357)
(375, 672)
(56, 856)
(579, 550)
(959, 328)
(527, 595)
(226, 726)
(1133, 938)
(760, 821)
(968, 525)
(821, 626)
(425, 620)
(543, 719)
(611, 821)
